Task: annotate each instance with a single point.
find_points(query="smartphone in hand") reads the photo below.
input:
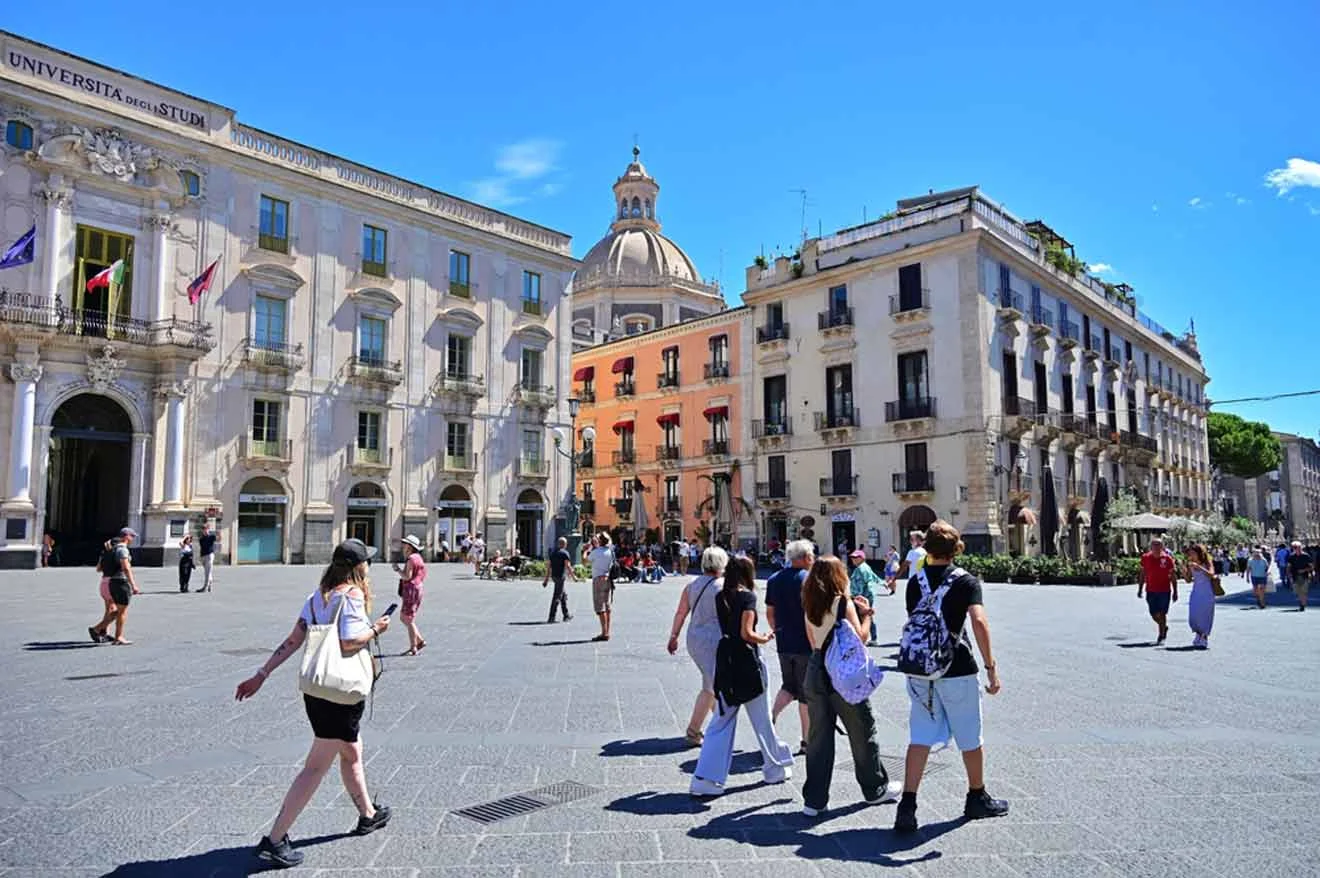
(389, 611)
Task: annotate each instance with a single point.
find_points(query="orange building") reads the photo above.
(670, 408)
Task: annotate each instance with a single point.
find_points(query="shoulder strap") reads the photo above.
(709, 580)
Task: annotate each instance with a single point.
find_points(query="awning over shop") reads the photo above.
(621, 365)
(586, 373)
(620, 426)
(668, 418)
(717, 411)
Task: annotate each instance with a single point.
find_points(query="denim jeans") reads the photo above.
(717, 748)
(824, 706)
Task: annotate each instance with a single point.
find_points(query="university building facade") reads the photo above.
(374, 357)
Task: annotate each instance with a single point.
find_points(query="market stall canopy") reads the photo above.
(1142, 521)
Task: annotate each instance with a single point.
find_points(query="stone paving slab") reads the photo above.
(1120, 758)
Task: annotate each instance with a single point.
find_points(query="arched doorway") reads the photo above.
(453, 516)
(914, 518)
(366, 515)
(87, 482)
(261, 507)
(529, 518)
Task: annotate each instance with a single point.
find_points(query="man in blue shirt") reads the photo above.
(783, 612)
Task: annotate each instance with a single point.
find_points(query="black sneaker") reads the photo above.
(368, 825)
(980, 805)
(280, 854)
(905, 819)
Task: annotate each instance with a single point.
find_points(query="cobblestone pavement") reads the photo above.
(1119, 758)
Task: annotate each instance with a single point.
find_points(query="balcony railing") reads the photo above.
(624, 456)
(1042, 317)
(1114, 355)
(41, 314)
(1019, 407)
(834, 318)
(375, 269)
(761, 429)
(914, 482)
(459, 463)
(837, 419)
(375, 459)
(773, 332)
(715, 447)
(587, 506)
(267, 449)
(586, 395)
(715, 370)
(772, 490)
(668, 454)
(665, 380)
(1074, 423)
(622, 506)
(461, 383)
(531, 306)
(1078, 488)
(587, 460)
(540, 395)
(1070, 331)
(375, 370)
(626, 387)
(909, 301)
(1096, 345)
(274, 243)
(908, 409)
(838, 486)
(533, 468)
(460, 288)
(1010, 300)
(673, 506)
(273, 356)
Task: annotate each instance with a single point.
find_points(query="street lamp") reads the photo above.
(588, 438)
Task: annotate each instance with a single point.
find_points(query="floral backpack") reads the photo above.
(853, 673)
(927, 646)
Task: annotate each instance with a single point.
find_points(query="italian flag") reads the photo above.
(111, 277)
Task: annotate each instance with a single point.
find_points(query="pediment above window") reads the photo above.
(375, 297)
(461, 318)
(532, 334)
(274, 278)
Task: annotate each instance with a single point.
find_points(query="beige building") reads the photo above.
(1285, 503)
(635, 279)
(939, 361)
(374, 358)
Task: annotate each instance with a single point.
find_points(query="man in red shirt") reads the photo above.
(1159, 579)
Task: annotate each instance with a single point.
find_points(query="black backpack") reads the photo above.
(737, 671)
(110, 566)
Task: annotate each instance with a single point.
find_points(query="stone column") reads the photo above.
(58, 200)
(161, 224)
(25, 377)
(174, 394)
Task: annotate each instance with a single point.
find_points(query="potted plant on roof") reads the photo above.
(761, 262)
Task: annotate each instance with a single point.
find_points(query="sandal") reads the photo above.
(421, 645)
(120, 642)
(695, 737)
(410, 652)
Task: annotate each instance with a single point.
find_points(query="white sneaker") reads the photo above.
(778, 777)
(891, 793)
(705, 788)
(808, 811)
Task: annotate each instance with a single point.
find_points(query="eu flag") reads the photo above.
(22, 251)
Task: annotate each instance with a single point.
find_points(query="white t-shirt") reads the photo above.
(602, 561)
(353, 621)
(913, 558)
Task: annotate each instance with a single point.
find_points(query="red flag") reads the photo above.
(198, 288)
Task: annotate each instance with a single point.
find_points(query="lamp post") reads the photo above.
(571, 512)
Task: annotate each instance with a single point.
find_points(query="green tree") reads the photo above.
(1242, 448)
(1123, 504)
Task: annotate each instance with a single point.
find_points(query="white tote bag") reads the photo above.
(326, 672)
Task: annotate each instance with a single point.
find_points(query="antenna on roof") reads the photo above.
(803, 193)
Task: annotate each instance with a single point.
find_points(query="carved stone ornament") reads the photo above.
(175, 389)
(104, 370)
(61, 198)
(108, 153)
(19, 372)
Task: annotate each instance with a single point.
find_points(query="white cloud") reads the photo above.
(1154, 208)
(1101, 268)
(1298, 173)
(1313, 210)
(1197, 203)
(524, 162)
(1236, 199)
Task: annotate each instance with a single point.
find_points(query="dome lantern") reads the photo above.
(635, 195)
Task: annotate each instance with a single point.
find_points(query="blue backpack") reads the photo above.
(853, 673)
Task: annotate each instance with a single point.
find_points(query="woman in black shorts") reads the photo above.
(335, 726)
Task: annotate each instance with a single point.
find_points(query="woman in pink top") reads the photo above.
(411, 576)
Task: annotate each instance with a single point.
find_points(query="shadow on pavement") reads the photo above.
(1142, 645)
(529, 623)
(561, 642)
(743, 763)
(646, 747)
(218, 863)
(1183, 649)
(44, 646)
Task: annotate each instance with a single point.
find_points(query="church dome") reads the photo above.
(634, 253)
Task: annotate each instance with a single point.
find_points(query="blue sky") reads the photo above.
(1178, 146)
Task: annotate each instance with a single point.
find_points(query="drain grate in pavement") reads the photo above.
(246, 651)
(525, 803)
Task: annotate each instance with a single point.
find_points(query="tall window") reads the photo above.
(373, 250)
(670, 430)
(531, 446)
(1005, 286)
(1042, 388)
(626, 489)
(837, 300)
(910, 297)
(839, 394)
(841, 470)
(531, 299)
(1132, 411)
(719, 350)
(97, 309)
(775, 400)
(460, 267)
(915, 466)
(273, 233)
(1067, 391)
(774, 315)
(1087, 341)
(458, 356)
(777, 471)
(268, 322)
(669, 357)
(1090, 404)
(1111, 409)
(456, 442)
(531, 369)
(371, 341)
(1009, 369)
(913, 381)
(368, 436)
(628, 443)
(671, 492)
(266, 427)
(18, 134)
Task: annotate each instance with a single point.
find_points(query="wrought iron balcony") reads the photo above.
(42, 316)
(668, 454)
(773, 332)
(715, 447)
(714, 371)
(626, 387)
(587, 506)
(905, 303)
(459, 463)
(1041, 318)
(673, 506)
(834, 318)
(838, 419)
(273, 356)
(763, 429)
(458, 383)
(586, 395)
(908, 409)
(622, 506)
(914, 482)
(838, 486)
(1010, 301)
(667, 380)
(375, 370)
(772, 490)
(1070, 333)
(624, 456)
(533, 468)
(267, 450)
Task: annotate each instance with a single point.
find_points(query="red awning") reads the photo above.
(620, 426)
(586, 373)
(717, 411)
(672, 347)
(667, 418)
(623, 364)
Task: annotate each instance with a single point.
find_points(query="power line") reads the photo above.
(1265, 398)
